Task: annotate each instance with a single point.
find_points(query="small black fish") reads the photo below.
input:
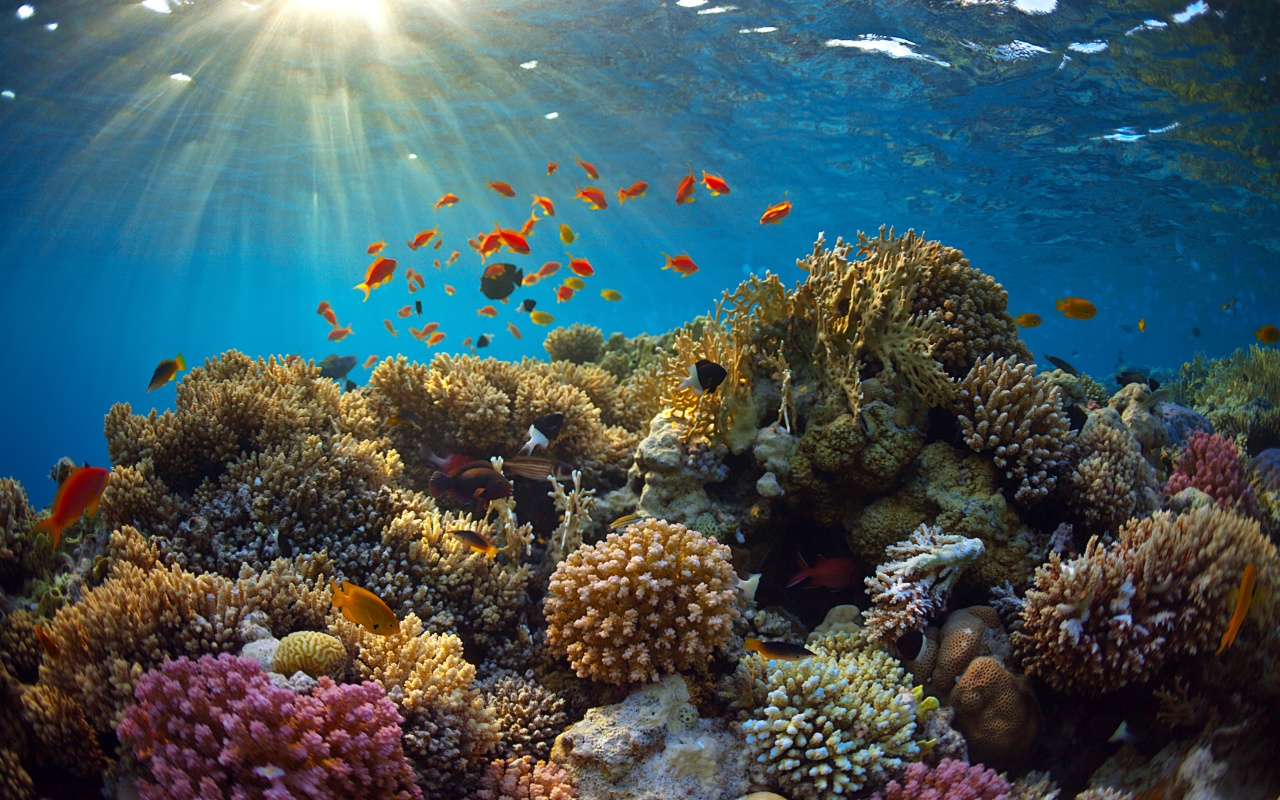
(526, 306)
(1126, 378)
(1062, 365)
(475, 482)
(543, 432)
(283, 543)
(911, 645)
(351, 386)
(1195, 332)
(704, 377)
(336, 366)
(1076, 417)
(405, 418)
(502, 284)
(417, 306)
(483, 340)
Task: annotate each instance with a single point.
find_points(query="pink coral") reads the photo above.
(217, 729)
(950, 780)
(1211, 464)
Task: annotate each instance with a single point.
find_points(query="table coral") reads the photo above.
(217, 728)
(653, 599)
(1211, 463)
(949, 780)
(1116, 615)
(1110, 481)
(825, 726)
(915, 584)
(1006, 409)
(997, 713)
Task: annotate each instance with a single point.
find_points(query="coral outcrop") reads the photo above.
(1211, 463)
(1110, 481)
(529, 716)
(997, 713)
(576, 344)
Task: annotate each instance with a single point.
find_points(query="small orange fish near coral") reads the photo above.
(423, 238)
(777, 651)
(592, 196)
(476, 542)
(435, 339)
(51, 648)
(424, 331)
(449, 290)
(715, 183)
(531, 279)
(452, 257)
(365, 609)
(548, 269)
(681, 264)
(404, 312)
(79, 493)
(449, 199)
(1074, 308)
(581, 267)
(551, 168)
(338, 334)
(1027, 320)
(370, 361)
(379, 273)
(391, 328)
(633, 191)
(1242, 609)
(527, 227)
(684, 192)
(548, 207)
(376, 247)
(775, 213)
(488, 311)
(511, 326)
(564, 294)
(590, 168)
(1142, 325)
(1267, 334)
(501, 188)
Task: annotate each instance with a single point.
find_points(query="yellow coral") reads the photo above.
(312, 652)
(577, 344)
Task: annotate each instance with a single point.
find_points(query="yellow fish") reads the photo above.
(1142, 325)
(365, 608)
(612, 295)
(1027, 320)
(575, 283)
(566, 234)
(541, 318)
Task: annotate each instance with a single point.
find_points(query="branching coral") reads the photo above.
(1116, 615)
(950, 780)
(1111, 481)
(915, 584)
(576, 344)
(574, 508)
(15, 521)
(523, 779)
(727, 413)
(825, 726)
(218, 729)
(653, 599)
(529, 716)
(1008, 410)
(1212, 464)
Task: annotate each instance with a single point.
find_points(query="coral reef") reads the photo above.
(1211, 463)
(523, 779)
(1009, 410)
(949, 780)
(1263, 473)
(576, 344)
(217, 728)
(1110, 481)
(529, 716)
(1239, 394)
(1116, 615)
(15, 521)
(653, 599)
(997, 713)
(916, 584)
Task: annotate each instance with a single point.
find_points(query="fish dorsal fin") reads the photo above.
(453, 473)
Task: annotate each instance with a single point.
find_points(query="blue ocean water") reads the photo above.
(197, 176)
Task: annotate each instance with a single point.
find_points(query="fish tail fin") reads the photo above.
(412, 246)
(1059, 304)
(182, 362)
(802, 574)
(364, 287)
(50, 527)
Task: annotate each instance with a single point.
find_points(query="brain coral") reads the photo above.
(1117, 614)
(997, 713)
(653, 599)
(1009, 410)
(312, 652)
(825, 726)
(1111, 481)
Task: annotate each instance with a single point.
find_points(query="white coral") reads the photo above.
(916, 583)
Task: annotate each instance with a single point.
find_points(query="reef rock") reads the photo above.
(676, 467)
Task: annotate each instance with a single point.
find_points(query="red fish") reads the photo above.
(452, 257)
(715, 183)
(418, 279)
(329, 316)
(386, 323)
(323, 307)
(527, 227)
(423, 238)
(531, 280)
(338, 334)
(51, 648)
(404, 312)
(501, 188)
(831, 573)
(774, 213)
(635, 190)
(435, 339)
(593, 196)
(79, 493)
(591, 170)
(564, 294)
(449, 290)
(548, 207)
(376, 247)
(379, 273)
(551, 168)
(548, 269)
(488, 311)
(581, 267)
(439, 243)
(512, 239)
(489, 244)
(681, 264)
(511, 326)
(424, 331)
(449, 199)
(684, 192)
(370, 361)
(436, 263)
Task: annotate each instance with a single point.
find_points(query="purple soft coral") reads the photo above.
(217, 729)
(950, 780)
(1211, 464)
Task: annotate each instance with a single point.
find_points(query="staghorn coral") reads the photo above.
(728, 414)
(447, 725)
(949, 780)
(997, 713)
(1007, 409)
(199, 730)
(1211, 463)
(576, 344)
(653, 599)
(825, 726)
(312, 652)
(1110, 481)
(916, 583)
(529, 716)
(1116, 615)
(523, 779)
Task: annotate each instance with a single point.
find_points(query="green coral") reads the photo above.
(825, 726)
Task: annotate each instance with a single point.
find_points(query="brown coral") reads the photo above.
(576, 344)
(15, 521)
(1008, 410)
(653, 599)
(311, 652)
(15, 783)
(523, 779)
(1111, 481)
(529, 716)
(19, 649)
(996, 712)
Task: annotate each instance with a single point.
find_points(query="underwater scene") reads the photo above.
(640, 400)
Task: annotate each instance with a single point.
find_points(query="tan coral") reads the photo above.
(15, 783)
(960, 642)
(997, 713)
(20, 652)
(1111, 481)
(62, 735)
(577, 344)
(653, 599)
(523, 779)
(529, 716)
(311, 652)
(16, 517)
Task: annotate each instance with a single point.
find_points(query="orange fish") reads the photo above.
(548, 207)
(51, 648)
(527, 227)
(379, 273)
(323, 307)
(490, 244)
(423, 238)
(715, 183)
(548, 269)
(439, 243)
(404, 312)
(564, 294)
(1267, 334)
(513, 240)
(386, 323)
(636, 189)
(1027, 320)
(365, 608)
(680, 263)
(1242, 609)
(501, 188)
(488, 311)
(424, 331)
(494, 271)
(376, 247)
(591, 170)
(511, 326)
(684, 192)
(338, 334)
(1142, 325)
(418, 279)
(436, 338)
(413, 288)
(581, 267)
(436, 263)
(1074, 308)
(449, 199)
(551, 168)
(370, 361)
(467, 342)
(449, 290)
(79, 493)
(452, 257)
(774, 213)
(531, 280)
(592, 196)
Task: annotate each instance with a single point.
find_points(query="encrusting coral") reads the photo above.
(1007, 409)
(652, 599)
(997, 713)
(216, 728)
(1110, 481)
(1116, 615)
(915, 585)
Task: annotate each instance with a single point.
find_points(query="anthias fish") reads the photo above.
(684, 191)
(365, 609)
(338, 334)
(778, 651)
(715, 184)
(830, 573)
(501, 188)
(476, 482)
(775, 213)
(704, 377)
(588, 168)
(447, 200)
(79, 493)
(633, 191)
(592, 196)
(166, 371)
(543, 432)
(1242, 609)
